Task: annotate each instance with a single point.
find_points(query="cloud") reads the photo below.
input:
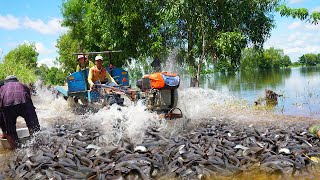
(299, 25)
(295, 1)
(295, 44)
(295, 25)
(312, 27)
(41, 49)
(9, 22)
(316, 9)
(47, 61)
(53, 26)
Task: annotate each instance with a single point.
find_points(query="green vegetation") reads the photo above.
(207, 35)
(20, 62)
(300, 13)
(309, 59)
(154, 28)
(264, 60)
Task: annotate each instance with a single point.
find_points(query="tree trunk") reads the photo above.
(191, 59)
(201, 58)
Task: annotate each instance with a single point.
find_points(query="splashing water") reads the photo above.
(170, 64)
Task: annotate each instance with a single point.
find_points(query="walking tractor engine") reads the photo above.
(159, 90)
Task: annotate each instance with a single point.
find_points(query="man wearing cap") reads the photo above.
(15, 100)
(83, 62)
(98, 74)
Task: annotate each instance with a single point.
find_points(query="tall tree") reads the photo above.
(152, 28)
(67, 45)
(20, 62)
(198, 24)
(23, 54)
(116, 25)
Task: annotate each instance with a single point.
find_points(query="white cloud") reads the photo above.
(295, 44)
(299, 25)
(41, 49)
(53, 26)
(46, 61)
(9, 22)
(295, 25)
(294, 36)
(312, 27)
(295, 1)
(316, 9)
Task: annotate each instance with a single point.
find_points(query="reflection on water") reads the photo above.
(299, 87)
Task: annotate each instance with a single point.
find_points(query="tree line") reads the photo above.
(201, 31)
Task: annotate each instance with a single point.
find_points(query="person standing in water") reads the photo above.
(15, 100)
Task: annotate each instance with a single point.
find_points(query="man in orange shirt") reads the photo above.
(98, 74)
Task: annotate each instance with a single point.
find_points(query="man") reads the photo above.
(98, 74)
(83, 62)
(2, 124)
(15, 100)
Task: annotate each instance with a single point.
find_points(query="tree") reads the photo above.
(285, 61)
(20, 62)
(66, 46)
(300, 13)
(250, 58)
(264, 60)
(153, 28)
(308, 59)
(197, 25)
(116, 25)
(229, 46)
(24, 54)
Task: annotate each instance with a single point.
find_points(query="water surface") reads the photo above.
(299, 87)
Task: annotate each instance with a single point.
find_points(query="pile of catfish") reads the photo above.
(218, 148)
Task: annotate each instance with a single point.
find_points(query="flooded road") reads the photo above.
(199, 106)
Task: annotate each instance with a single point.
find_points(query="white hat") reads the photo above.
(98, 58)
(81, 56)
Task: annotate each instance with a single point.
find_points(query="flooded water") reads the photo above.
(299, 87)
(220, 97)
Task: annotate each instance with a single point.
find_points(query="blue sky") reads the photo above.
(38, 21)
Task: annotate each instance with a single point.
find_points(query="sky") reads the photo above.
(38, 21)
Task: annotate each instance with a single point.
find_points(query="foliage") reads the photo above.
(229, 46)
(196, 25)
(309, 59)
(300, 13)
(66, 46)
(250, 58)
(295, 64)
(144, 28)
(264, 60)
(101, 25)
(51, 75)
(25, 54)
(20, 62)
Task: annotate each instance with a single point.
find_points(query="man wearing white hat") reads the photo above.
(98, 73)
(83, 62)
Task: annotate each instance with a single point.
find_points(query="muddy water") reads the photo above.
(196, 104)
